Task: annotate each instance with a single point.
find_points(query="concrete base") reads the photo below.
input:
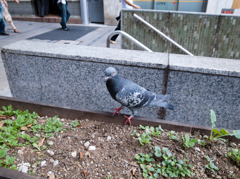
(73, 76)
(50, 19)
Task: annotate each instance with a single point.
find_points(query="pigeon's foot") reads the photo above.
(128, 120)
(117, 110)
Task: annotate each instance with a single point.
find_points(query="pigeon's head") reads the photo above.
(110, 72)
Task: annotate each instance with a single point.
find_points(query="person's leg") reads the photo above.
(68, 13)
(46, 10)
(64, 16)
(14, 28)
(61, 9)
(117, 28)
(2, 23)
(39, 7)
(43, 2)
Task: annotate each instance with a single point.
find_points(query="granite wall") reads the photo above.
(74, 78)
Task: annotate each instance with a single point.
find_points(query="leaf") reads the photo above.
(9, 160)
(3, 153)
(3, 117)
(145, 175)
(236, 133)
(174, 138)
(36, 146)
(158, 152)
(29, 125)
(216, 131)
(81, 155)
(194, 140)
(133, 171)
(224, 132)
(187, 137)
(80, 166)
(213, 118)
(24, 128)
(1, 124)
(85, 173)
(4, 108)
(208, 158)
(52, 176)
(41, 142)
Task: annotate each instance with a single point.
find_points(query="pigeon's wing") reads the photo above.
(133, 95)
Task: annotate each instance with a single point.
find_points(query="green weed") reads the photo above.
(211, 166)
(234, 154)
(219, 134)
(162, 162)
(187, 142)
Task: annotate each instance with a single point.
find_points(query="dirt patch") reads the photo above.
(105, 150)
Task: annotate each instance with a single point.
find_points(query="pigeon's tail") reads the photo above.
(163, 104)
(160, 101)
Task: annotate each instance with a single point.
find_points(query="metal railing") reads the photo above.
(162, 34)
(139, 44)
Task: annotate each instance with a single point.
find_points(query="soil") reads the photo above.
(114, 153)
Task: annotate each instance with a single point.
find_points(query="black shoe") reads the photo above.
(65, 29)
(3, 33)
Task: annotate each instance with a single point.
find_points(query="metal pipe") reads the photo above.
(84, 11)
(139, 44)
(162, 34)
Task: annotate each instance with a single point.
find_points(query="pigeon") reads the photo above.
(131, 95)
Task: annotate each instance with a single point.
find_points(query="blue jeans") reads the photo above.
(65, 14)
(2, 23)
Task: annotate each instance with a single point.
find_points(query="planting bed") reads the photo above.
(86, 148)
(96, 149)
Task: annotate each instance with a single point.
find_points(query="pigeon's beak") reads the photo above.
(106, 78)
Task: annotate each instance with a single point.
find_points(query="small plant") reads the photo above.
(14, 132)
(3, 151)
(172, 136)
(52, 125)
(202, 142)
(162, 162)
(9, 160)
(173, 167)
(211, 166)
(144, 158)
(5, 160)
(235, 156)
(7, 111)
(108, 177)
(151, 130)
(187, 142)
(75, 123)
(145, 138)
(219, 134)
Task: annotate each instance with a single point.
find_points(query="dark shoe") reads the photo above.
(65, 29)
(3, 33)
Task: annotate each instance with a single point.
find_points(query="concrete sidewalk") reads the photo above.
(29, 30)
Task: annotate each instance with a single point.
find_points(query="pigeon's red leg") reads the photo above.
(117, 110)
(128, 120)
